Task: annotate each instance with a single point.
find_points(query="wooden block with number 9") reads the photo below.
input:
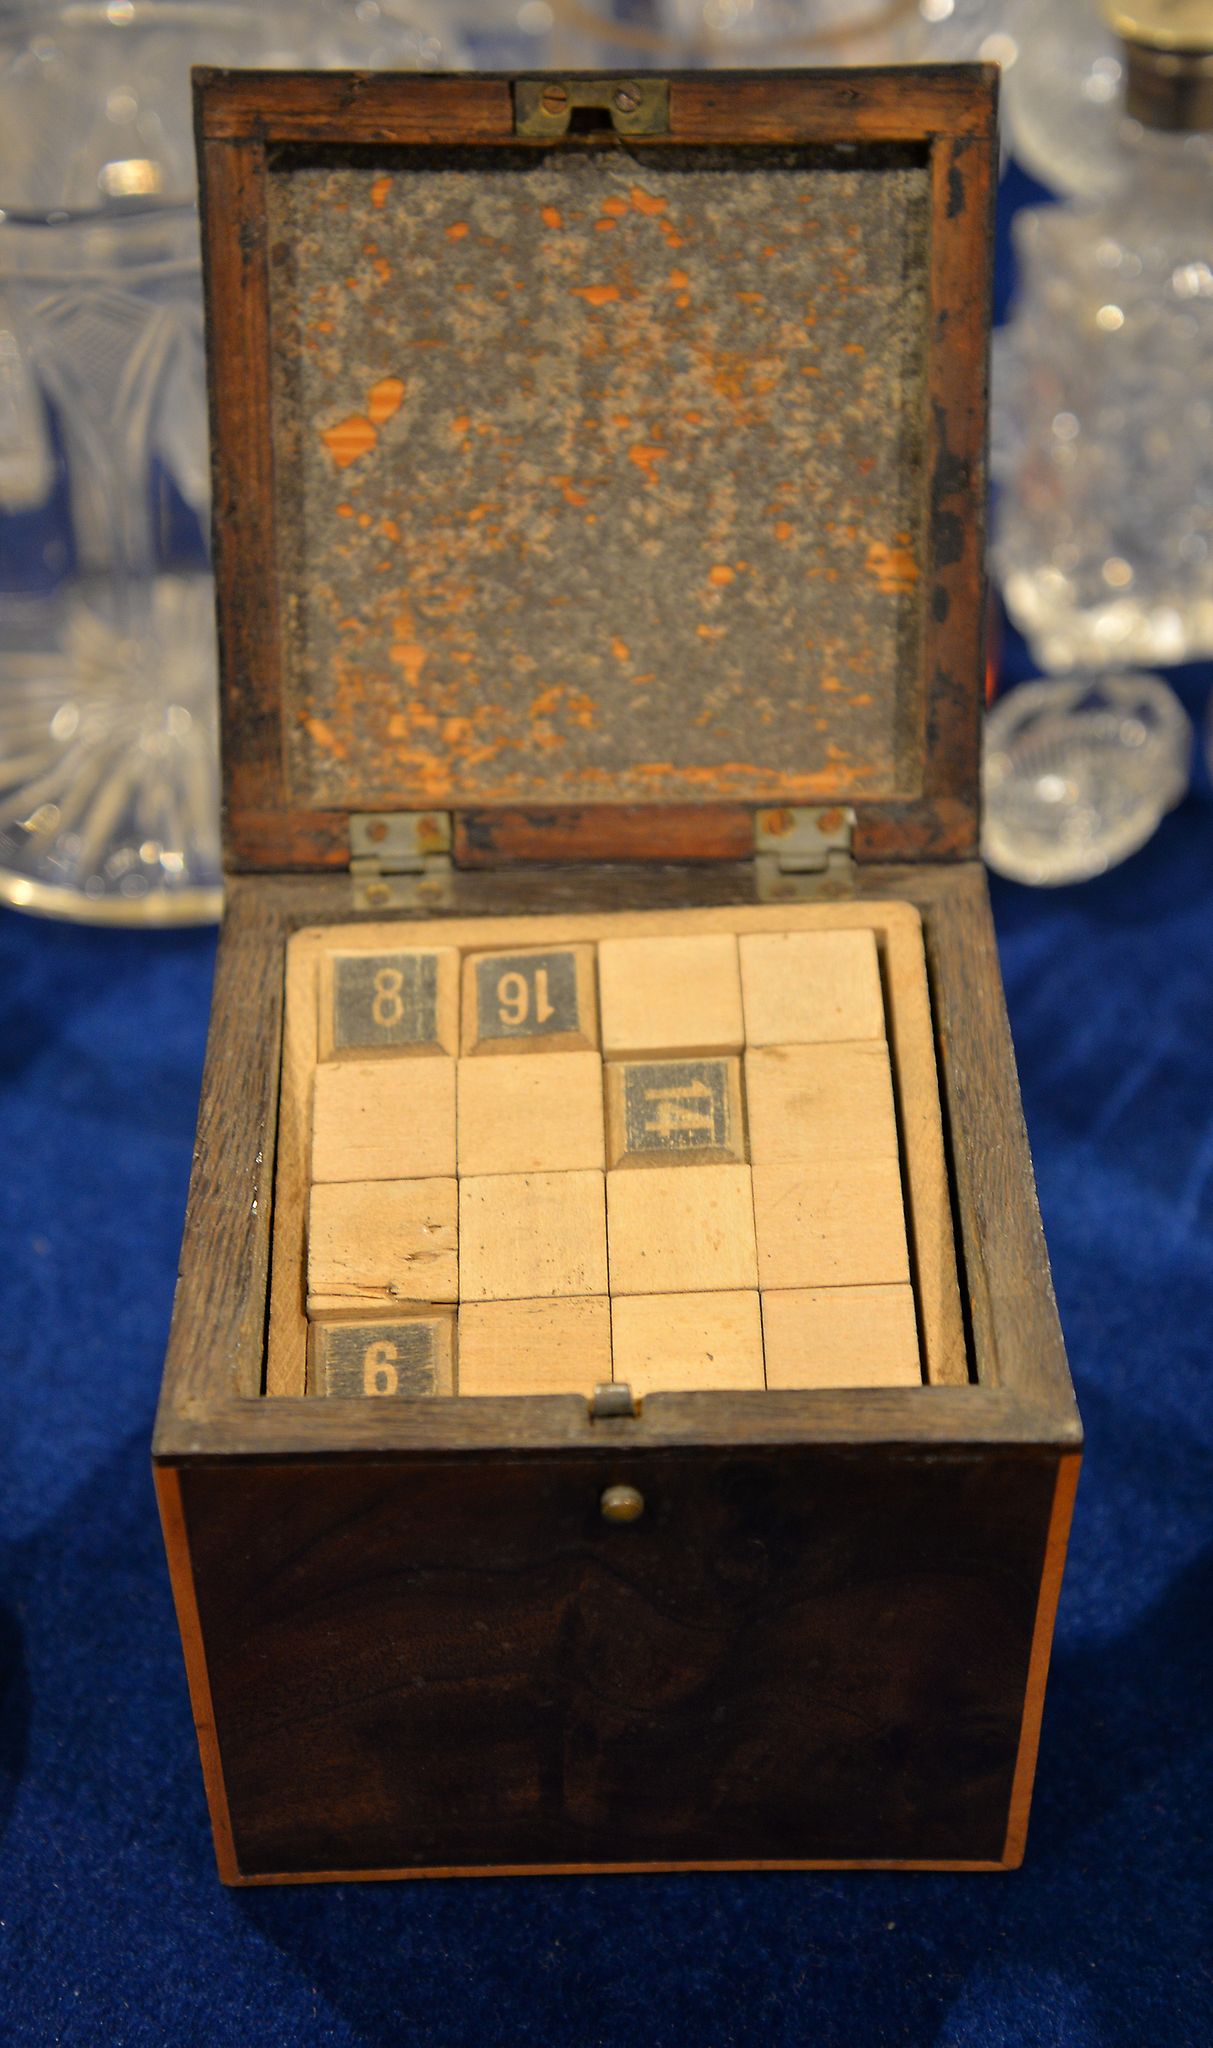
(403, 1355)
(533, 999)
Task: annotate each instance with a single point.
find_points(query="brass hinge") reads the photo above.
(400, 860)
(544, 107)
(794, 844)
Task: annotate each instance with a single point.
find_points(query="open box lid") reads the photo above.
(606, 487)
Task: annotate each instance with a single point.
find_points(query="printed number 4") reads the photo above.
(514, 998)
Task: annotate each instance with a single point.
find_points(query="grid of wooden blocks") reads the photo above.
(666, 1160)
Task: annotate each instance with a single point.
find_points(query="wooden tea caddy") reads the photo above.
(414, 1643)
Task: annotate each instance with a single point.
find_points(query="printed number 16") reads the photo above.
(514, 998)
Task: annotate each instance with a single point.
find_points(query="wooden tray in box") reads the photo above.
(598, 530)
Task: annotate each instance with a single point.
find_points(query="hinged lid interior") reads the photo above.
(606, 474)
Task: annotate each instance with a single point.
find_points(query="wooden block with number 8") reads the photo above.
(406, 1355)
(399, 1002)
(534, 999)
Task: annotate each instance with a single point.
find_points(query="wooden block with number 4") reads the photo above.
(531, 999)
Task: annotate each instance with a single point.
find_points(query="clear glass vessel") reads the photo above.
(108, 752)
(1062, 99)
(1104, 412)
(1077, 774)
(109, 782)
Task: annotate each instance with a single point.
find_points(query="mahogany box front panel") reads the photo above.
(796, 1654)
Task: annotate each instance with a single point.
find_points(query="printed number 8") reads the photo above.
(388, 1007)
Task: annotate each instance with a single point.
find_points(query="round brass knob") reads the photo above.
(621, 1504)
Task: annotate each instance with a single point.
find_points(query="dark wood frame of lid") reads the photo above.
(242, 117)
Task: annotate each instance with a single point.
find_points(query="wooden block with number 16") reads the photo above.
(532, 999)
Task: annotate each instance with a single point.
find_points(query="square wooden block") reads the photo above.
(535, 1347)
(815, 1102)
(383, 1119)
(523, 1115)
(841, 1337)
(670, 995)
(810, 988)
(686, 1343)
(662, 1112)
(526, 1235)
(674, 1231)
(830, 1223)
(400, 1355)
(390, 1002)
(371, 1243)
(531, 999)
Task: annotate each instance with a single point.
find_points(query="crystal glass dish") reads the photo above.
(109, 771)
(1078, 773)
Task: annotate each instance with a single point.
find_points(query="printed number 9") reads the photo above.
(388, 1008)
(379, 1374)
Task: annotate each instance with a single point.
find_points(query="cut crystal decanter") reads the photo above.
(1104, 382)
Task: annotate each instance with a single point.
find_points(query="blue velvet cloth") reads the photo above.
(113, 1926)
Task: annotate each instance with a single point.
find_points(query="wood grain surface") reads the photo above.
(763, 1666)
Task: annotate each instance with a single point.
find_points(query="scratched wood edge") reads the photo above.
(242, 116)
(181, 1578)
(1008, 1283)
(887, 104)
(219, 1307)
(287, 1333)
(234, 226)
(930, 1224)
(963, 174)
(1057, 1543)
(898, 929)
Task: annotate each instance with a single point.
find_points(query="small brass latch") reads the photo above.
(612, 1400)
(545, 107)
